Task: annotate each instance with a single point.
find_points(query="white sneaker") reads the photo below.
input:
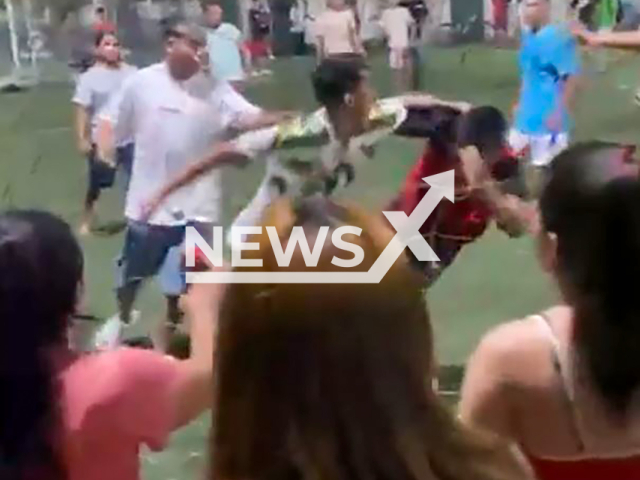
(109, 335)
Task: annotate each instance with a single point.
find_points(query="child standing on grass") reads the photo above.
(93, 92)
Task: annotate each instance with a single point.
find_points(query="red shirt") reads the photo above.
(591, 469)
(104, 27)
(463, 221)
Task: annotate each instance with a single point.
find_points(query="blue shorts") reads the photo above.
(149, 251)
(155, 250)
(102, 176)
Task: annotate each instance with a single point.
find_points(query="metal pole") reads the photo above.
(13, 34)
(31, 32)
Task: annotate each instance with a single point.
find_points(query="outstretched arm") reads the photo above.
(622, 40)
(222, 154)
(513, 215)
(226, 153)
(418, 100)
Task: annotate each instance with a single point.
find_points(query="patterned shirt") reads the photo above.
(304, 156)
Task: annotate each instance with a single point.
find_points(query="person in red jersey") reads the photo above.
(488, 182)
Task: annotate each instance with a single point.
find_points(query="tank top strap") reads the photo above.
(564, 373)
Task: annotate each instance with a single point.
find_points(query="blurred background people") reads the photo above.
(227, 52)
(397, 24)
(94, 90)
(259, 45)
(336, 31)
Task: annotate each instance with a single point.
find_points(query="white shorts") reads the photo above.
(540, 149)
(397, 58)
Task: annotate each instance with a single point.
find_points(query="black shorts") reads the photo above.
(101, 176)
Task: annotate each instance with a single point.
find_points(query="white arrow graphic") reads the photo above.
(408, 228)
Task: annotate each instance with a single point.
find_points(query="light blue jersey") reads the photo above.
(547, 58)
(223, 44)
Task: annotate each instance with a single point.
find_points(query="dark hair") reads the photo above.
(177, 29)
(484, 127)
(448, 128)
(336, 77)
(40, 271)
(321, 381)
(206, 4)
(591, 204)
(100, 36)
(101, 10)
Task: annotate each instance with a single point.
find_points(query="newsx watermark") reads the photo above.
(407, 236)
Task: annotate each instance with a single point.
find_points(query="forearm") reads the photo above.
(569, 94)
(421, 100)
(105, 140)
(623, 40)
(82, 126)
(259, 121)
(192, 173)
(508, 210)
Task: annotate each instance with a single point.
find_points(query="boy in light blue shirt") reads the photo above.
(225, 47)
(549, 65)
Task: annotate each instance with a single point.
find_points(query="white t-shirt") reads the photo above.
(96, 87)
(396, 23)
(173, 125)
(334, 28)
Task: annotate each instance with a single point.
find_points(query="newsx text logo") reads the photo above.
(408, 235)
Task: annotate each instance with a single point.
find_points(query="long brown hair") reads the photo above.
(333, 382)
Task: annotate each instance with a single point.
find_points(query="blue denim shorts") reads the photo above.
(149, 251)
(155, 251)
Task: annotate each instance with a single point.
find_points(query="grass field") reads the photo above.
(492, 281)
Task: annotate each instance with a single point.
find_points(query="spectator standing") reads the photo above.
(397, 24)
(298, 18)
(565, 383)
(260, 44)
(420, 13)
(334, 381)
(101, 22)
(68, 416)
(227, 52)
(336, 31)
(93, 92)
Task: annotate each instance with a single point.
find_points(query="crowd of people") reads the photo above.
(324, 380)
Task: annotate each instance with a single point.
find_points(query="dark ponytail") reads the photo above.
(592, 204)
(40, 271)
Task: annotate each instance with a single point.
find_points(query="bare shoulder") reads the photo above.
(515, 344)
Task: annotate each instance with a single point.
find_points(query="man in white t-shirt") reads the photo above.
(336, 31)
(175, 115)
(397, 23)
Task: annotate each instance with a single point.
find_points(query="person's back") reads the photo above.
(397, 22)
(113, 404)
(564, 383)
(335, 28)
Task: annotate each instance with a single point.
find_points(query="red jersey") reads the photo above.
(104, 27)
(462, 221)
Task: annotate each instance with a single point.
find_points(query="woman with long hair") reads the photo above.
(333, 381)
(68, 416)
(564, 383)
(95, 89)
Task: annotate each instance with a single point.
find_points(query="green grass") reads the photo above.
(493, 280)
